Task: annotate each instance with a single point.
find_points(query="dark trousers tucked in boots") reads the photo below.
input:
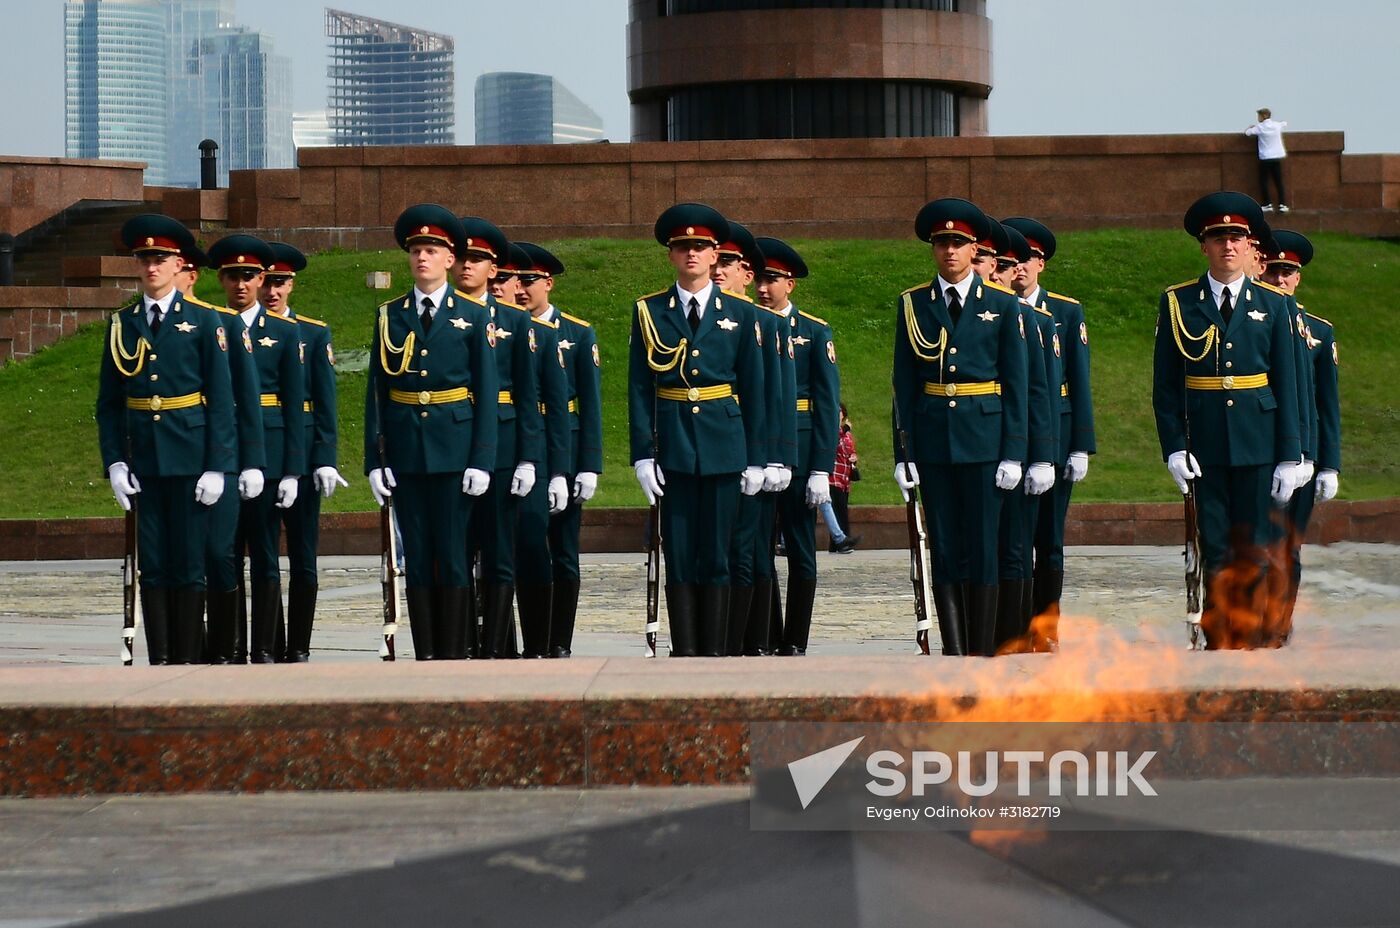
(301, 613)
(266, 616)
(801, 594)
(155, 616)
(453, 624)
(736, 627)
(712, 619)
(223, 614)
(240, 624)
(756, 627)
(952, 618)
(534, 599)
(682, 614)
(1013, 613)
(186, 625)
(497, 625)
(420, 620)
(563, 607)
(981, 603)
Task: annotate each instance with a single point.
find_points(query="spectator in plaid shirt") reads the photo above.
(837, 513)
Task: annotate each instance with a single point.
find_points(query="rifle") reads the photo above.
(919, 568)
(131, 587)
(389, 574)
(653, 554)
(1195, 569)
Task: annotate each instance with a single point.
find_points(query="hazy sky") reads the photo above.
(1082, 67)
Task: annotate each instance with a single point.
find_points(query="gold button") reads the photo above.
(695, 409)
(1229, 344)
(155, 402)
(423, 353)
(952, 404)
(952, 368)
(424, 398)
(423, 414)
(1229, 363)
(950, 389)
(952, 351)
(693, 394)
(695, 372)
(422, 373)
(155, 376)
(695, 352)
(155, 418)
(1229, 402)
(152, 357)
(1229, 382)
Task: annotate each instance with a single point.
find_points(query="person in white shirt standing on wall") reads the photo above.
(1269, 131)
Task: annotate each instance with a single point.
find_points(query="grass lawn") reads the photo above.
(48, 438)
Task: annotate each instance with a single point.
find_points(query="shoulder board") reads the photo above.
(279, 317)
(991, 284)
(513, 306)
(648, 296)
(575, 320)
(737, 296)
(923, 286)
(309, 321)
(195, 301)
(1044, 312)
(1318, 318)
(1185, 283)
(1061, 296)
(387, 303)
(818, 321)
(769, 309)
(1270, 287)
(544, 322)
(225, 310)
(468, 297)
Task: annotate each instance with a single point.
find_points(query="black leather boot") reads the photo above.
(1008, 616)
(240, 626)
(775, 618)
(155, 616)
(682, 614)
(498, 625)
(982, 619)
(450, 642)
(801, 594)
(1045, 610)
(1026, 589)
(757, 626)
(534, 602)
(563, 608)
(420, 620)
(223, 613)
(952, 620)
(186, 625)
(737, 625)
(301, 614)
(262, 640)
(712, 619)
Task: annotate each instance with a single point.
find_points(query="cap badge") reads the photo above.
(690, 230)
(240, 259)
(150, 241)
(948, 224)
(1227, 218)
(423, 231)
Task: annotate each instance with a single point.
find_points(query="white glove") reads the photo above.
(1039, 478)
(325, 479)
(250, 484)
(818, 490)
(381, 484)
(785, 479)
(287, 489)
(907, 476)
(651, 478)
(1326, 484)
(522, 481)
(772, 478)
(1078, 466)
(1306, 470)
(124, 485)
(209, 487)
(1008, 475)
(475, 481)
(1285, 481)
(585, 485)
(558, 491)
(1183, 468)
(751, 481)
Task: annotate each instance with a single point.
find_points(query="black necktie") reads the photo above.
(954, 305)
(427, 317)
(1226, 310)
(157, 317)
(693, 317)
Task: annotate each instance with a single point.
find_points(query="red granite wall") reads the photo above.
(33, 189)
(34, 317)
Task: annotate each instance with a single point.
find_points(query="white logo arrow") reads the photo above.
(811, 774)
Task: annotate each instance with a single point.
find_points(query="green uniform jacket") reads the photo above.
(819, 383)
(703, 437)
(520, 434)
(432, 438)
(988, 344)
(1236, 427)
(187, 357)
(780, 385)
(583, 381)
(243, 372)
(277, 351)
(1322, 359)
(1077, 397)
(1307, 404)
(1043, 396)
(322, 428)
(553, 387)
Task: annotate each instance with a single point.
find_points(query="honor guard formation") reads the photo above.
(483, 437)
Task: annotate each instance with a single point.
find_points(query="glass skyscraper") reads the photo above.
(389, 84)
(513, 108)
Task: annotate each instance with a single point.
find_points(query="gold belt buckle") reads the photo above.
(693, 394)
(424, 398)
(1229, 382)
(950, 389)
(155, 402)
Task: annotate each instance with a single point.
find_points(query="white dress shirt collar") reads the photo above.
(1032, 298)
(963, 287)
(250, 314)
(702, 297)
(438, 296)
(161, 305)
(1216, 287)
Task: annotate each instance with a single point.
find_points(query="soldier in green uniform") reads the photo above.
(818, 413)
(166, 431)
(1072, 399)
(276, 352)
(519, 435)
(431, 425)
(539, 585)
(694, 447)
(320, 475)
(1291, 252)
(1021, 508)
(1226, 404)
(960, 396)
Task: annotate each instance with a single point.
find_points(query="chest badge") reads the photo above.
(728, 325)
(987, 316)
(185, 327)
(267, 341)
(460, 324)
(565, 345)
(799, 340)
(1256, 315)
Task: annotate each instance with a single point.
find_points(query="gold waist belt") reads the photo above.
(1064, 389)
(980, 388)
(573, 407)
(430, 397)
(271, 399)
(695, 394)
(804, 405)
(157, 403)
(1232, 382)
(308, 406)
(505, 399)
